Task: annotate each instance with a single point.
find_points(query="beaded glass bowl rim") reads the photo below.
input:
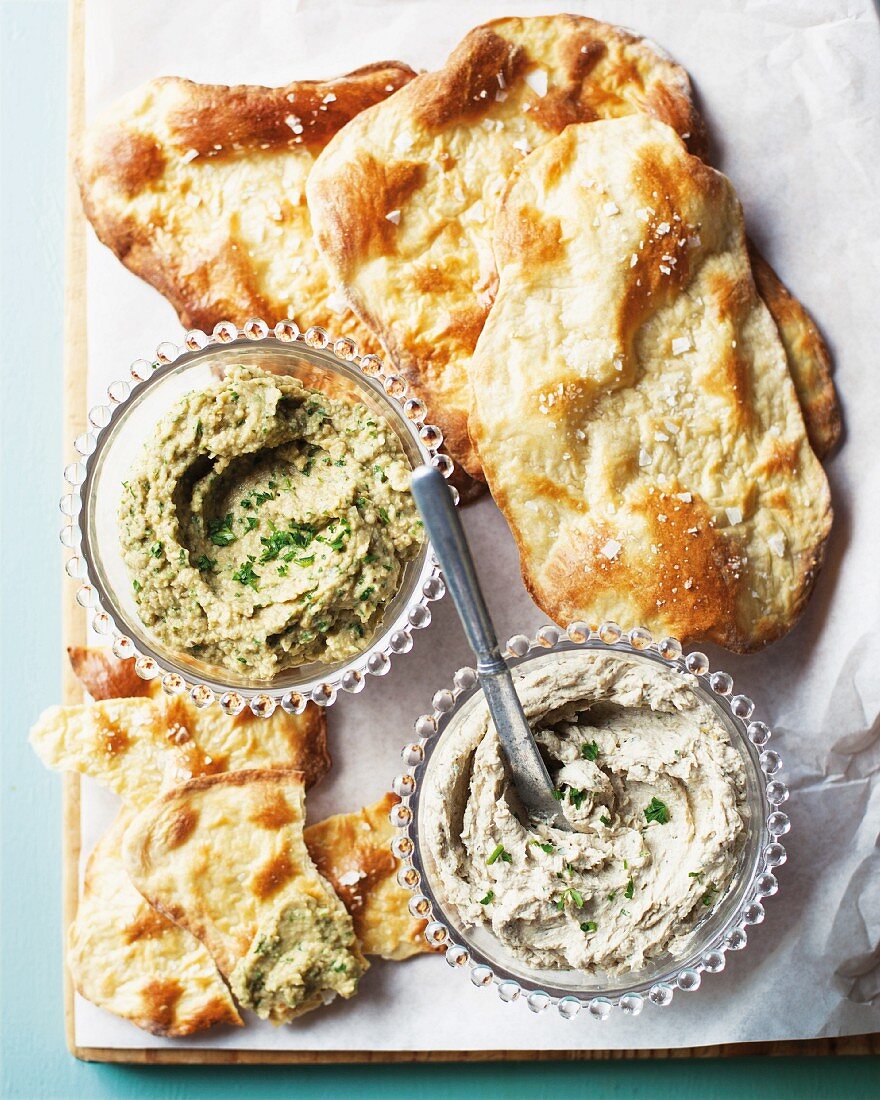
(770, 854)
(392, 639)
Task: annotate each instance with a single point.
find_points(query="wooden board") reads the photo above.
(74, 633)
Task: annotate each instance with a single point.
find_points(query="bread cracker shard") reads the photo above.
(633, 408)
(200, 190)
(124, 956)
(224, 857)
(139, 747)
(353, 852)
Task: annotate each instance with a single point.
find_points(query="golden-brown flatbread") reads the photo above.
(808, 357)
(633, 409)
(139, 747)
(403, 200)
(353, 852)
(224, 857)
(126, 957)
(200, 190)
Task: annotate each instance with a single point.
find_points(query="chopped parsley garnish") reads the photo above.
(137, 586)
(283, 569)
(590, 750)
(707, 897)
(205, 564)
(300, 561)
(630, 890)
(220, 531)
(251, 522)
(367, 592)
(487, 898)
(339, 967)
(589, 926)
(357, 629)
(245, 574)
(570, 892)
(612, 895)
(383, 515)
(261, 498)
(547, 847)
(233, 395)
(695, 874)
(657, 811)
(307, 469)
(499, 853)
(605, 819)
(576, 797)
(338, 540)
(156, 550)
(296, 537)
(380, 473)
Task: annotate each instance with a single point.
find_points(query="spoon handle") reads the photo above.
(447, 537)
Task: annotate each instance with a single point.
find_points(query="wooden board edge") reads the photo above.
(847, 1045)
(74, 633)
(74, 419)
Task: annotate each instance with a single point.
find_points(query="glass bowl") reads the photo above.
(477, 952)
(117, 431)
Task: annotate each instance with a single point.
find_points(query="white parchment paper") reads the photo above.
(791, 92)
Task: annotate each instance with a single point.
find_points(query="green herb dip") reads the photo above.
(266, 525)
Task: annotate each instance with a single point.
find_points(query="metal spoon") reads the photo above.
(530, 775)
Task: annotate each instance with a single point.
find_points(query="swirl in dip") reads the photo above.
(266, 525)
(652, 787)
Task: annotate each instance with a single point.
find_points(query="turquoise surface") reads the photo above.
(35, 1061)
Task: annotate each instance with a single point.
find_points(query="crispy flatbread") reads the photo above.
(633, 409)
(403, 200)
(140, 747)
(353, 852)
(126, 957)
(223, 856)
(200, 190)
(808, 357)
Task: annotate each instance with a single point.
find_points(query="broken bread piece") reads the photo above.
(224, 857)
(403, 199)
(139, 747)
(353, 852)
(124, 956)
(808, 357)
(200, 190)
(633, 408)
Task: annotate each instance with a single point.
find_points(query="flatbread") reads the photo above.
(221, 856)
(140, 747)
(126, 957)
(353, 852)
(633, 409)
(403, 200)
(200, 190)
(808, 357)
